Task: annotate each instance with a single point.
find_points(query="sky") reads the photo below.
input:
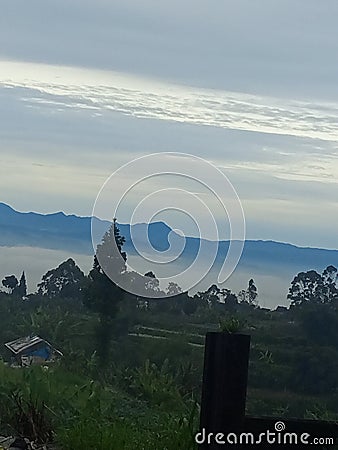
(251, 87)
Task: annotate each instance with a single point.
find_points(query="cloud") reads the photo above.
(65, 130)
(271, 48)
(103, 92)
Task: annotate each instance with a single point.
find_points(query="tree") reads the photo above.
(151, 282)
(252, 292)
(10, 282)
(179, 303)
(229, 298)
(304, 286)
(103, 295)
(314, 287)
(211, 296)
(21, 289)
(249, 295)
(173, 289)
(330, 281)
(189, 305)
(320, 324)
(243, 296)
(64, 281)
(109, 252)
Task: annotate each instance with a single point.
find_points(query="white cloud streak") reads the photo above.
(61, 88)
(64, 130)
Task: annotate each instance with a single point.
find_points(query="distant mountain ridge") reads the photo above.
(59, 231)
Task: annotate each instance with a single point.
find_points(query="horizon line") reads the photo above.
(163, 222)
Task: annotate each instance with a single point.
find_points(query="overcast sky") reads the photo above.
(86, 86)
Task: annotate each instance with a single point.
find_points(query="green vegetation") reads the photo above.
(131, 372)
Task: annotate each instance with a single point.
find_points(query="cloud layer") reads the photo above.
(76, 89)
(250, 86)
(281, 48)
(64, 131)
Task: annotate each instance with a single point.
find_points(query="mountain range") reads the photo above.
(71, 234)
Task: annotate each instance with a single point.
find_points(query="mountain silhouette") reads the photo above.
(72, 233)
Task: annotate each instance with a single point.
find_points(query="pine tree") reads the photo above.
(102, 294)
(21, 290)
(110, 255)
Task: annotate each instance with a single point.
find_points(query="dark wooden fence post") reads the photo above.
(225, 377)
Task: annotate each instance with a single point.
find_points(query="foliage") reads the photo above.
(173, 288)
(320, 412)
(319, 323)
(64, 281)
(211, 295)
(314, 288)
(30, 418)
(21, 290)
(189, 305)
(138, 387)
(151, 282)
(231, 324)
(250, 294)
(102, 295)
(110, 255)
(79, 413)
(162, 431)
(153, 384)
(10, 282)
(316, 371)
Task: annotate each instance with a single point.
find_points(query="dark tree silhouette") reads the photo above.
(229, 298)
(151, 282)
(103, 295)
(189, 305)
(10, 282)
(109, 252)
(314, 287)
(304, 287)
(252, 292)
(173, 288)
(330, 281)
(21, 289)
(211, 296)
(243, 296)
(64, 281)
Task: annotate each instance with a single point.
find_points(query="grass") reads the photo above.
(79, 413)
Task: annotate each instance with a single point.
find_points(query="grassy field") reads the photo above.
(146, 395)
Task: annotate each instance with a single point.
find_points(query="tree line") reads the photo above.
(104, 297)
(69, 281)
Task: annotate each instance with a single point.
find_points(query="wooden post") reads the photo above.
(225, 377)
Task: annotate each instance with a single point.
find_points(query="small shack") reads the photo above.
(32, 350)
